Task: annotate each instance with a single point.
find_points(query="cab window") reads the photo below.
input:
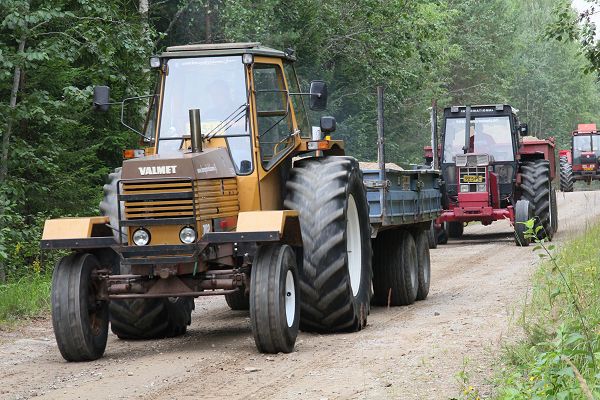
(272, 114)
(297, 101)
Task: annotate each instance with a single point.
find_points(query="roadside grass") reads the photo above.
(26, 297)
(559, 358)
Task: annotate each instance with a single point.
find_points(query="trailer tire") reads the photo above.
(395, 269)
(424, 263)
(150, 318)
(109, 206)
(536, 187)
(432, 236)
(455, 229)
(80, 321)
(566, 175)
(274, 299)
(523, 213)
(238, 301)
(335, 275)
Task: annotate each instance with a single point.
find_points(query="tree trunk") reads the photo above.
(6, 138)
(208, 22)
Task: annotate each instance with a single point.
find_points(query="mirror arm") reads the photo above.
(319, 95)
(123, 114)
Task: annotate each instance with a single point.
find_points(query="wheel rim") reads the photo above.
(353, 247)
(290, 298)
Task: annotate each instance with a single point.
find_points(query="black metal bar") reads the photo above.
(158, 249)
(381, 153)
(83, 243)
(159, 221)
(434, 136)
(158, 260)
(467, 129)
(183, 294)
(239, 237)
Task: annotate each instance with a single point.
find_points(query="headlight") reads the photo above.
(481, 187)
(464, 188)
(187, 235)
(141, 237)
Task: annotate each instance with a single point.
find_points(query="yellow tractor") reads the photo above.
(237, 196)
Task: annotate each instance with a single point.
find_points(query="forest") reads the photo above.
(56, 153)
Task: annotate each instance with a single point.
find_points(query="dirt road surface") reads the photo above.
(478, 287)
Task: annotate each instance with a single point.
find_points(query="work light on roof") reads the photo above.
(154, 62)
(247, 58)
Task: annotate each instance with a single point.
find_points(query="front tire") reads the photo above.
(455, 229)
(238, 301)
(79, 319)
(335, 276)
(523, 213)
(274, 299)
(432, 236)
(537, 189)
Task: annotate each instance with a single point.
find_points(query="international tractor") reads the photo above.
(581, 162)
(493, 171)
(236, 196)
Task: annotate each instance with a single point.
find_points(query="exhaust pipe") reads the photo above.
(195, 130)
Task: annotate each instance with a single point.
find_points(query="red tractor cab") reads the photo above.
(492, 171)
(581, 162)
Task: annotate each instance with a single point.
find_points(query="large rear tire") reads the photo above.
(79, 319)
(335, 276)
(395, 269)
(455, 229)
(424, 263)
(274, 299)
(566, 175)
(536, 187)
(150, 318)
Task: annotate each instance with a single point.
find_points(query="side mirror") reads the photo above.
(318, 95)
(327, 124)
(523, 130)
(101, 98)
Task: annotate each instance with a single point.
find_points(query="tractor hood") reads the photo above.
(211, 163)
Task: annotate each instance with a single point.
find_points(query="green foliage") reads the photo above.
(27, 297)
(559, 358)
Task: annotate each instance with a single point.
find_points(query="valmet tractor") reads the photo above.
(236, 197)
(581, 162)
(493, 171)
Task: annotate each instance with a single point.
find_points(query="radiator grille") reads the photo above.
(473, 177)
(214, 198)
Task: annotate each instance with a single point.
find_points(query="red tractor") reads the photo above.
(493, 171)
(581, 162)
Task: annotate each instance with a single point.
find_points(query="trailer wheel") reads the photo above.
(566, 175)
(395, 269)
(335, 274)
(274, 299)
(238, 301)
(537, 189)
(455, 229)
(148, 318)
(109, 206)
(79, 319)
(432, 236)
(523, 213)
(424, 263)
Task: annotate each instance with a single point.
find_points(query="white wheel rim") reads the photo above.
(353, 246)
(290, 299)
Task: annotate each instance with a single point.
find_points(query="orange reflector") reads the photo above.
(132, 153)
(318, 145)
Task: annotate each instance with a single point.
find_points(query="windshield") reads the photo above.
(216, 86)
(487, 135)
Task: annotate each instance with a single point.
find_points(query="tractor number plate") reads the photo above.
(472, 179)
(588, 167)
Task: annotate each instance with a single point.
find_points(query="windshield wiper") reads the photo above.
(230, 121)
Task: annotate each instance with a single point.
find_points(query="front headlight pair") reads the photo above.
(141, 237)
(480, 188)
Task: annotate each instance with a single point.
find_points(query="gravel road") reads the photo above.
(478, 287)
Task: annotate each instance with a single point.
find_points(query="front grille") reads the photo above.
(472, 176)
(214, 198)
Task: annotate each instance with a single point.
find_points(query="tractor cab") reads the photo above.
(479, 147)
(586, 149)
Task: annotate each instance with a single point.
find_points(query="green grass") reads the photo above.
(560, 355)
(27, 297)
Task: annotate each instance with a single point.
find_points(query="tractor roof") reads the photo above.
(481, 110)
(226, 49)
(583, 129)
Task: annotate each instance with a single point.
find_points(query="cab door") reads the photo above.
(275, 130)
